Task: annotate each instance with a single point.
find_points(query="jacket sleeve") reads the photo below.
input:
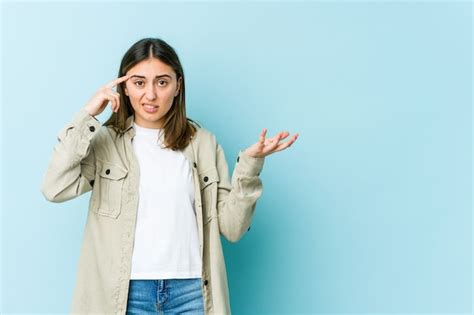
(71, 169)
(237, 197)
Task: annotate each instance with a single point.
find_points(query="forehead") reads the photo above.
(151, 68)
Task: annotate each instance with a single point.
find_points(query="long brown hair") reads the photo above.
(178, 129)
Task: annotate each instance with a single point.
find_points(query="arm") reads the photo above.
(236, 198)
(71, 170)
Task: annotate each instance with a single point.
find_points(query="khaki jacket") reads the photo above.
(87, 158)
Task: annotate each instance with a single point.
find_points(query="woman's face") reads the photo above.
(151, 88)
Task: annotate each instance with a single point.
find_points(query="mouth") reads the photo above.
(150, 108)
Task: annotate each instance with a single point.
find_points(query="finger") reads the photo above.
(117, 103)
(117, 100)
(274, 140)
(269, 150)
(292, 140)
(262, 135)
(281, 146)
(114, 103)
(113, 99)
(270, 144)
(287, 144)
(112, 93)
(284, 134)
(114, 82)
(116, 95)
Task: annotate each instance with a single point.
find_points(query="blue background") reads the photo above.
(368, 212)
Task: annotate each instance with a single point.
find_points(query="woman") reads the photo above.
(161, 193)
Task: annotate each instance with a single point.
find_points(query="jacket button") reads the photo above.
(238, 158)
(92, 128)
(205, 282)
(206, 178)
(195, 165)
(107, 171)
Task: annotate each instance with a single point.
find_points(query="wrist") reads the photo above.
(89, 111)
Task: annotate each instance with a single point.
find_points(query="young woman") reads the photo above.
(161, 193)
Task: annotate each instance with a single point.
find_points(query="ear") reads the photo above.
(125, 89)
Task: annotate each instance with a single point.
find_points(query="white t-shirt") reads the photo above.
(166, 242)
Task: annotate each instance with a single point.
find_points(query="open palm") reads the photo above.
(268, 146)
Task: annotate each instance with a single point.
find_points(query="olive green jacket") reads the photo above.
(86, 157)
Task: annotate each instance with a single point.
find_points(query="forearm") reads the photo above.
(72, 165)
(237, 198)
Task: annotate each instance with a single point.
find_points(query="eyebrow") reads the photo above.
(143, 77)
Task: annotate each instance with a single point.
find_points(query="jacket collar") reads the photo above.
(129, 123)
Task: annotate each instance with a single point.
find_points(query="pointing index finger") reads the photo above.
(117, 81)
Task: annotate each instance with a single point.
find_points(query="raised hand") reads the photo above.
(268, 146)
(101, 98)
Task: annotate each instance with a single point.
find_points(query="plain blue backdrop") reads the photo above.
(368, 212)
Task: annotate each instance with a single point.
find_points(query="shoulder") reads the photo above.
(205, 148)
(204, 136)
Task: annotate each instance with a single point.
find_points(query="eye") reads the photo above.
(163, 81)
(138, 82)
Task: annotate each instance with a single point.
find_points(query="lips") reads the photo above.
(150, 108)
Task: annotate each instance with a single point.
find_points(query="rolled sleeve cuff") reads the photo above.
(86, 123)
(248, 165)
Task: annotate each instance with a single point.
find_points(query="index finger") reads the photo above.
(117, 81)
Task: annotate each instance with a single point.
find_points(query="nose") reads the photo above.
(150, 92)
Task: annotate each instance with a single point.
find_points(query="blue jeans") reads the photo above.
(165, 296)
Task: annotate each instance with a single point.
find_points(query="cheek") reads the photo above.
(169, 94)
(134, 94)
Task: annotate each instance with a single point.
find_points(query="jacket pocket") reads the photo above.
(208, 180)
(107, 190)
